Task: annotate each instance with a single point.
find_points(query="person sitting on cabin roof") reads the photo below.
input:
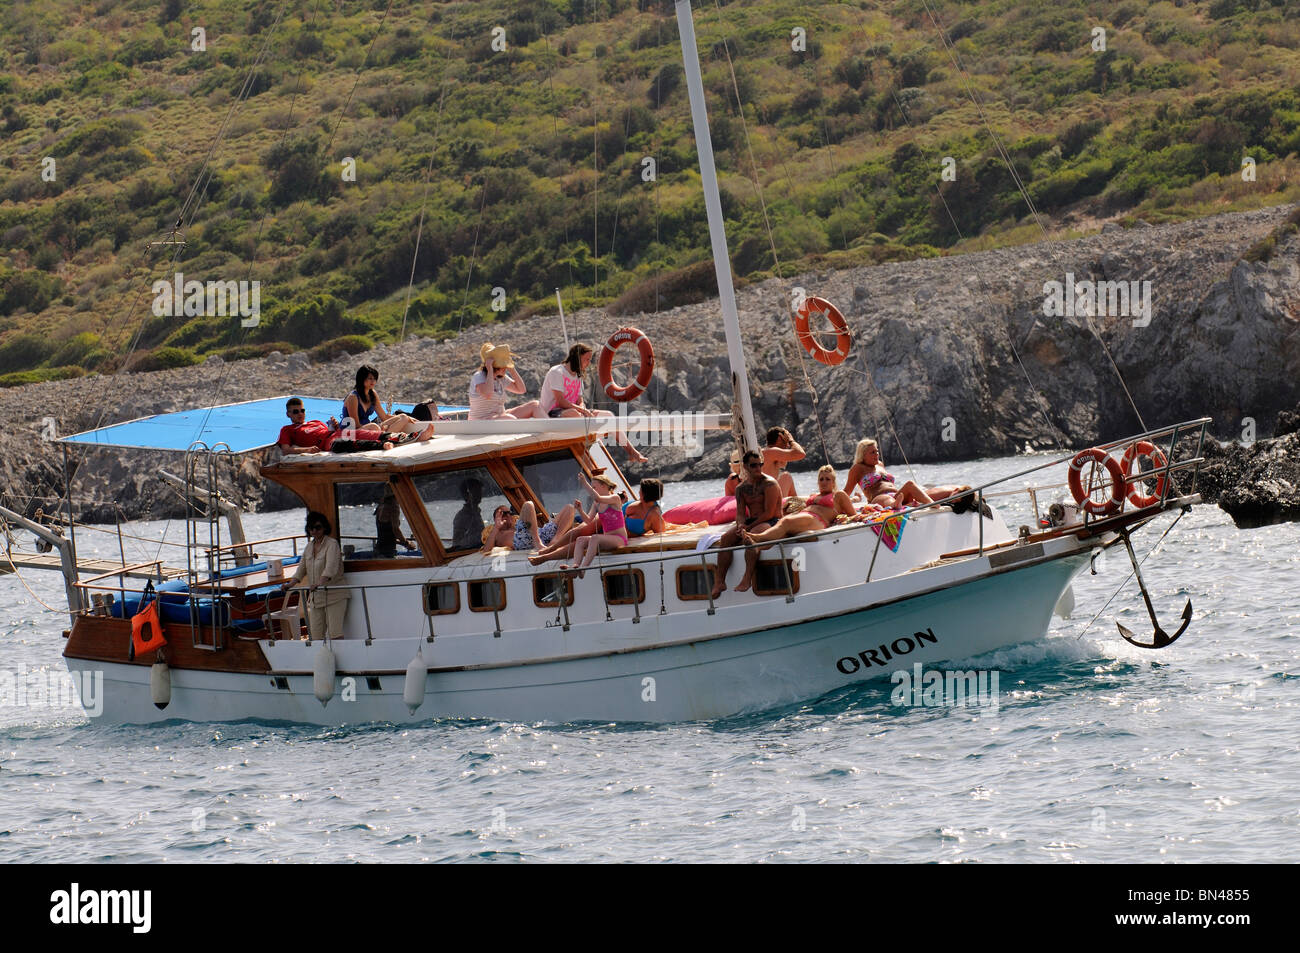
(562, 394)
(781, 449)
(494, 379)
(316, 436)
(520, 531)
(363, 403)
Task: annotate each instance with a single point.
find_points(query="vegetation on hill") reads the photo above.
(529, 145)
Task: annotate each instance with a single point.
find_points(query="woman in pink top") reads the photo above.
(562, 395)
(612, 530)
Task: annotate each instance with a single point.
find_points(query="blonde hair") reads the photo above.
(601, 478)
(862, 449)
(824, 469)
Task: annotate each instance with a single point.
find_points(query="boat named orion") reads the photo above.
(880, 655)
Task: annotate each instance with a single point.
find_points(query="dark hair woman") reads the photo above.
(364, 403)
(319, 569)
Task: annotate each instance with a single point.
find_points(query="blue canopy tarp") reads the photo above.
(243, 427)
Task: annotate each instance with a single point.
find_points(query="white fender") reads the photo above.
(160, 684)
(323, 671)
(417, 674)
(1065, 604)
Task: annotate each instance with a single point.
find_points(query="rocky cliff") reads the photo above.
(952, 358)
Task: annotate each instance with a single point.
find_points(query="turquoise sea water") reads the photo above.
(1096, 752)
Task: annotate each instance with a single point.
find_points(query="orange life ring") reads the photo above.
(843, 340)
(1143, 449)
(605, 370)
(153, 639)
(1116, 500)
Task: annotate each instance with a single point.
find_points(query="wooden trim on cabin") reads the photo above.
(566, 584)
(501, 583)
(106, 639)
(780, 589)
(710, 570)
(636, 574)
(432, 584)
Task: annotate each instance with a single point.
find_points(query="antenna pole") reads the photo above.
(717, 232)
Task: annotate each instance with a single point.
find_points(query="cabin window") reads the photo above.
(624, 587)
(486, 595)
(775, 578)
(460, 504)
(441, 598)
(549, 589)
(554, 478)
(361, 511)
(694, 582)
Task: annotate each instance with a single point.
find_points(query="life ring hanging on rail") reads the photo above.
(1143, 448)
(843, 340)
(1107, 507)
(605, 370)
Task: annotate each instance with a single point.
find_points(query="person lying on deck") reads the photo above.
(816, 513)
(317, 436)
(878, 486)
(519, 531)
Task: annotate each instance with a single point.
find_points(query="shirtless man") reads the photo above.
(758, 507)
(781, 449)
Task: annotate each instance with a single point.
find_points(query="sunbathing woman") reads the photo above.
(818, 513)
(363, 403)
(878, 485)
(612, 531)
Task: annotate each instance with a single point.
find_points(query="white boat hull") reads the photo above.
(708, 678)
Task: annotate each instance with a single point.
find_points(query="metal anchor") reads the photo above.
(1160, 638)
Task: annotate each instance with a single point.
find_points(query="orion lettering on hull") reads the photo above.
(882, 654)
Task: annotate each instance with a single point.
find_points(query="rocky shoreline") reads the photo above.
(944, 354)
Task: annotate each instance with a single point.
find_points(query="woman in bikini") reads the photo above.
(643, 516)
(611, 533)
(818, 512)
(879, 487)
(363, 403)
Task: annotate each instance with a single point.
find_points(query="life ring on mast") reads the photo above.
(843, 340)
(1110, 506)
(1143, 448)
(605, 370)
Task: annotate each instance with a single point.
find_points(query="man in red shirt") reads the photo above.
(315, 436)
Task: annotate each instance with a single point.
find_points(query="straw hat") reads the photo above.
(499, 353)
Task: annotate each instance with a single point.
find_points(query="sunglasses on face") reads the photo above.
(753, 466)
(297, 410)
